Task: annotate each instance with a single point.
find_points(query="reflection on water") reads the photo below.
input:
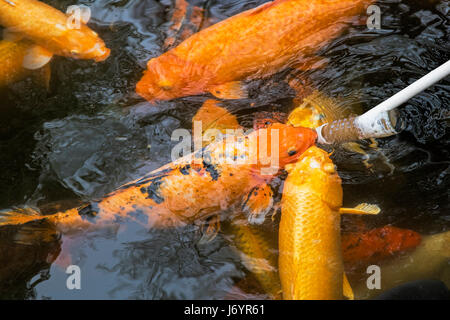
(91, 133)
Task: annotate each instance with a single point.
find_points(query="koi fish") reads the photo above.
(12, 55)
(429, 260)
(317, 109)
(252, 245)
(191, 188)
(253, 44)
(377, 244)
(186, 20)
(257, 254)
(310, 254)
(47, 27)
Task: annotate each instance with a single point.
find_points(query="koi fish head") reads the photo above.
(83, 43)
(164, 79)
(278, 145)
(293, 141)
(315, 171)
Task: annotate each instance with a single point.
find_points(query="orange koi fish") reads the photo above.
(186, 20)
(49, 29)
(310, 254)
(377, 244)
(253, 44)
(429, 260)
(194, 187)
(12, 55)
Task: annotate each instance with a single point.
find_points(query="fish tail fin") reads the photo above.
(18, 216)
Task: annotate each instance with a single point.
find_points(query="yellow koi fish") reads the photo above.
(49, 29)
(310, 252)
(12, 55)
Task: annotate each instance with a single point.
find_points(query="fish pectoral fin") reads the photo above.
(210, 229)
(363, 208)
(259, 202)
(347, 289)
(36, 57)
(229, 90)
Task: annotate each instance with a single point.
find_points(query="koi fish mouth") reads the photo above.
(98, 53)
(105, 52)
(103, 56)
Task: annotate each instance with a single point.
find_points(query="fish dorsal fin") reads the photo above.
(317, 109)
(36, 57)
(363, 208)
(229, 90)
(259, 202)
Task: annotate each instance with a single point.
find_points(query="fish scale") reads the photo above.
(310, 259)
(11, 57)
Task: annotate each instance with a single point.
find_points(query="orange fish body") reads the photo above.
(12, 54)
(253, 44)
(363, 248)
(48, 27)
(310, 257)
(183, 191)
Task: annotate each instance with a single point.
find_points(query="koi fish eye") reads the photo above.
(291, 152)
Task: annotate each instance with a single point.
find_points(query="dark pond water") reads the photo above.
(91, 133)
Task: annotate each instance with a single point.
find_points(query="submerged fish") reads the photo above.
(194, 187)
(12, 55)
(253, 44)
(49, 29)
(257, 254)
(363, 248)
(429, 260)
(310, 253)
